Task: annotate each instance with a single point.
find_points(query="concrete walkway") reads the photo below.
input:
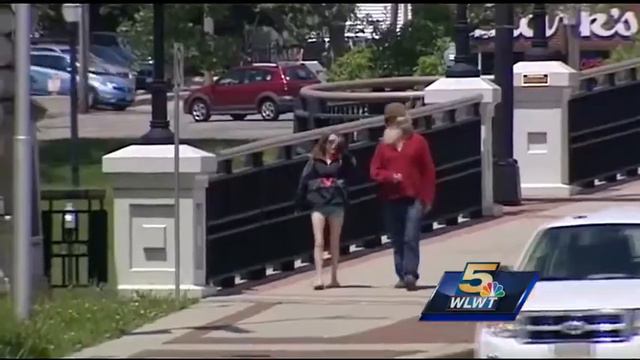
(364, 318)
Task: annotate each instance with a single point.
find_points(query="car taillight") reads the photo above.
(284, 82)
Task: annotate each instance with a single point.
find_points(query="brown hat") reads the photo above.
(393, 111)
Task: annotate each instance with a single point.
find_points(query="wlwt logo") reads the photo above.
(488, 299)
(482, 292)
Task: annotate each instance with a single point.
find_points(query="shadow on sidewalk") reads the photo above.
(236, 329)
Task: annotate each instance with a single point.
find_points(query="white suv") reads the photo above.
(587, 301)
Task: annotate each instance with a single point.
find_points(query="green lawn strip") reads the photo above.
(73, 319)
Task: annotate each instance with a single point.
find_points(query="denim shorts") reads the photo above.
(329, 210)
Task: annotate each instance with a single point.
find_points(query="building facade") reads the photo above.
(598, 34)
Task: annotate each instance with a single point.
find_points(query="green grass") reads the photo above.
(72, 319)
(68, 320)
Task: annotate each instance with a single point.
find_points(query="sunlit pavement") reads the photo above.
(364, 318)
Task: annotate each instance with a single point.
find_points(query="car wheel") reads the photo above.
(200, 110)
(269, 110)
(91, 98)
(238, 117)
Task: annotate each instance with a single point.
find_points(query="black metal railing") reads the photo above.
(604, 125)
(250, 216)
(75, 228)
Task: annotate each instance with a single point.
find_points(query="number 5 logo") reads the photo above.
(474, 272)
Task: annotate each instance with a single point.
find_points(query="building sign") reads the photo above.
(616, 23)
(535, 80)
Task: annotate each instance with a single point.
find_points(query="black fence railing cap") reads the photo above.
(358, 125)
(73, 194)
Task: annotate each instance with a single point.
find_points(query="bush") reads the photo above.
(75, 319)
(433, 64)
(355, 64)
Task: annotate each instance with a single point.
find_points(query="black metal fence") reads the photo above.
(604, 129)
(251, 219)
(74, 228)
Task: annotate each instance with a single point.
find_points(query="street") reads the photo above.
(134, 122)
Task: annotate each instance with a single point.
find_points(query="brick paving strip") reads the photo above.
(366, 318)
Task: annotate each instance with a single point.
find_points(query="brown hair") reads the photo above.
(320, 149)
(393, 111)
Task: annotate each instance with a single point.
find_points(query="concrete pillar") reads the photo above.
(143, 217)
(540, 126)
(450, 89)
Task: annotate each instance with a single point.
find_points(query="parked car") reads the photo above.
(315, 67)
(587, 301)
(104, 90)
(267, 89)
(57, 57)
(40, 77)
(114, 41)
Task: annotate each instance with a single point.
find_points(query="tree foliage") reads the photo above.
(625, 51)
(184, 24)
(299, 21)
(418, 48)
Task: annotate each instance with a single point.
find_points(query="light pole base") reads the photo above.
(462, 70)
(506, 182)
(157, 136)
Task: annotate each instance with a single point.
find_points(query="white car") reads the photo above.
(587, 301)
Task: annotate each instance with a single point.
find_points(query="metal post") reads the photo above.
(572, 31)
(539, 50)
(177, 84)
(506, 173)
(83, 47)
(73, 93)
(462, 62)
(22, 167)
(159, 132)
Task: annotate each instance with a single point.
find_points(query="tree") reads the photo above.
(625, 51)
(184, 24)
(299, 21)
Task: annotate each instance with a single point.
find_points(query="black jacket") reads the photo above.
(324, 184)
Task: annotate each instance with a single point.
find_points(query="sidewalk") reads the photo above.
(364, 318)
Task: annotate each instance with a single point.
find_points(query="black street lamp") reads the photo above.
(462, 67)
(159, 132)
(539, 50)
(506, 174)
(71, 14)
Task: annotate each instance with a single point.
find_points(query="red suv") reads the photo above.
(266, 89)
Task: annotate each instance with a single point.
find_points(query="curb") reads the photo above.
(146, 98)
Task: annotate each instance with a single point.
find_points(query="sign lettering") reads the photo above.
(599, 25)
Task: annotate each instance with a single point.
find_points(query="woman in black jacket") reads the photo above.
(323, 186)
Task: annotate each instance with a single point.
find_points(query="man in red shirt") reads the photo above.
(403, 167)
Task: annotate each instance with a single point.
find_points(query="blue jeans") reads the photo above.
(402, 221)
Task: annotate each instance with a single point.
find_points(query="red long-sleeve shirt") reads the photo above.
(415, 164)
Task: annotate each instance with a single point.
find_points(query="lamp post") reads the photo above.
(72, 14)
(462, 62)
(159, 132)
(539, 50)
(506, 173)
